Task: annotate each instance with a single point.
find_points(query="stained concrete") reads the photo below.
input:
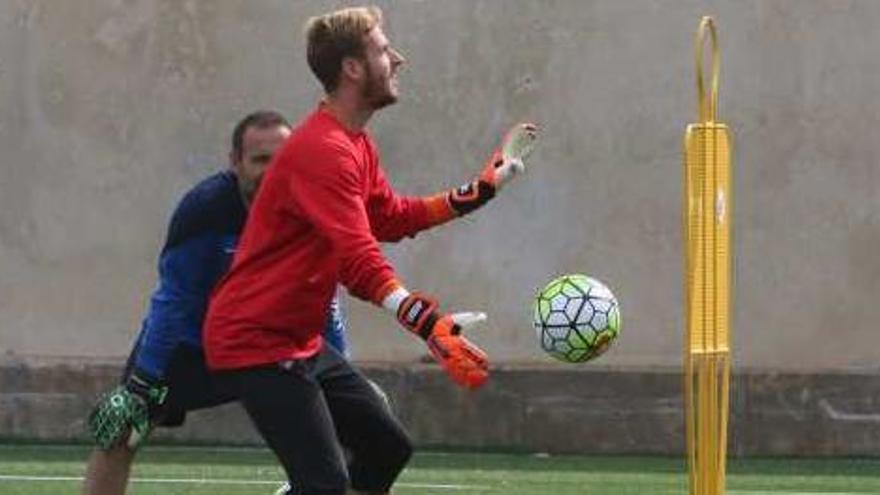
(603, 411)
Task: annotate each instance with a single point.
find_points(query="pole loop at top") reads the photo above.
(707, 103)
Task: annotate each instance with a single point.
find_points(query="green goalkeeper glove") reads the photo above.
(505, 163)
(125, 413)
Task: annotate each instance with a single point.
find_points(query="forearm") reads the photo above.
(154, 354)
(159, 340)
(457, 202)
(439, 209)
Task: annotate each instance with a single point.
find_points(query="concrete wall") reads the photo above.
(599, 411)
(110, 109)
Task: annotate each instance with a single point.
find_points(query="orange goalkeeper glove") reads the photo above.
(464, 362)
(505, 163)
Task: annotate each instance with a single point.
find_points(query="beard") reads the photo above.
(376, 92)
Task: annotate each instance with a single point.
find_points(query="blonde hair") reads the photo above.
(332, 37)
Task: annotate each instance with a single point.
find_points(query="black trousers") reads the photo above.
(308, 410)
(190, 386)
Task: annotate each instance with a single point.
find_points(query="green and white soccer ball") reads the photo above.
(576, 318)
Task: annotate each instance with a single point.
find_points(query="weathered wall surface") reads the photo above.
(559, 411)
(110, 109)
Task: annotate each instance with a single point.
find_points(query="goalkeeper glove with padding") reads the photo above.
(505, 163)
(126, 412)
(464, 362)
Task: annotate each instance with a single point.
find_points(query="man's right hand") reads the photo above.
(509, 159)
(464, 362)
(125, 413)
(506, 162)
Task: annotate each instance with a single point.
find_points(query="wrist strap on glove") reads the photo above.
(418, 313)
(470, 196)
(146, 387)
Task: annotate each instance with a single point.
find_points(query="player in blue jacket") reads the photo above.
(166, 376)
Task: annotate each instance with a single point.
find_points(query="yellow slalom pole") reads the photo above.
(707, 218)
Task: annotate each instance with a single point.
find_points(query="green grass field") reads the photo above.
(42, 469)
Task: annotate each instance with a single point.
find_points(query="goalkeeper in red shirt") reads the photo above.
(317, 220)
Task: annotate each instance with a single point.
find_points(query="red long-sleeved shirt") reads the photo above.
(322, 207)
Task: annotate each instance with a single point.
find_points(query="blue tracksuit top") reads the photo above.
(198, 249)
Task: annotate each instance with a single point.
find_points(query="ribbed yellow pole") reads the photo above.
(707, 229)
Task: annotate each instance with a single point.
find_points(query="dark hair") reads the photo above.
(332, 37)
(260, 119)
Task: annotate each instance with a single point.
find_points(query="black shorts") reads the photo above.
(309, 410)
(190, 386)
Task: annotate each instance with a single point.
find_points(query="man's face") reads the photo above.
(257, 147)
(382, 63)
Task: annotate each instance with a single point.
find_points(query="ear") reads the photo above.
(234, 163)
(352, 68)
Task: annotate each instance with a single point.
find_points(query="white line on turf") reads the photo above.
(777, 492)
(226, 481)
(432, 486)
(153, 448)
(246, 449)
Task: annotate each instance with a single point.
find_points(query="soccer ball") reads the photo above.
(576, 318)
